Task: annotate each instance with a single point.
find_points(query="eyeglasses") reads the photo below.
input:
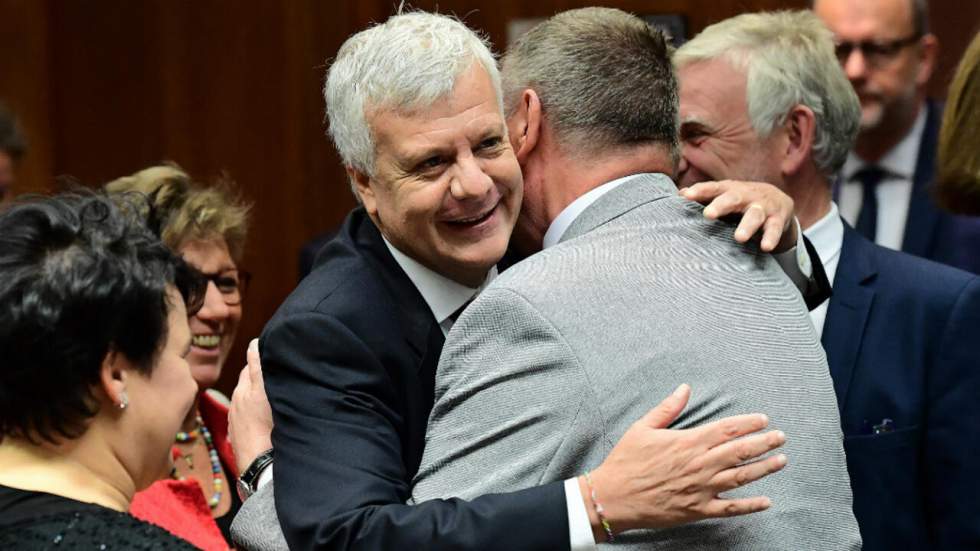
(875, 52)
(232, 285)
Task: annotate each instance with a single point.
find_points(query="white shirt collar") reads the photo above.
(900, 160)
(827, 236)
(443, 295)
(568, 215)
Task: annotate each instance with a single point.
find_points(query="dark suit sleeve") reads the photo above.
(952, 445)
(339, 474)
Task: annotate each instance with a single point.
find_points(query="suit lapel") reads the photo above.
(847, 314)
(638, 190)
(416, 317)
(924, 218)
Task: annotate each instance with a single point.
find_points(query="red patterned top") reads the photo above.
(179, 506)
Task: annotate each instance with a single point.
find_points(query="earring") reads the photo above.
(123, 400)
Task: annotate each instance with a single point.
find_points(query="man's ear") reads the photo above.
(928, 53)
(800, 128)
(362, 184)
(524, 125)
(113, 376)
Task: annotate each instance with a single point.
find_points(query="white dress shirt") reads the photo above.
(894, 192)
(827, 237)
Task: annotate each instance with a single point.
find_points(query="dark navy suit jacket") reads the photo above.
(931, 232)
(349, 364)
(902, 337)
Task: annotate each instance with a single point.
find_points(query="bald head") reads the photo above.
(888, 56)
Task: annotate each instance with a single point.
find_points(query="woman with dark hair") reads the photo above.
(94, 380)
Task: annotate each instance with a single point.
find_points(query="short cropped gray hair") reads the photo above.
(788, 58)
(407, 63)
(603, 76)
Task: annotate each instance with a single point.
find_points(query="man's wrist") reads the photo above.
(598, 534)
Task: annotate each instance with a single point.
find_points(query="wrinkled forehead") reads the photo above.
(867, 19)
(710, 89)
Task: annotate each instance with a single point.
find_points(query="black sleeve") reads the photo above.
(818, 288)
(339, 474)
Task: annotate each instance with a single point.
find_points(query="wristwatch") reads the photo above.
(249, 480)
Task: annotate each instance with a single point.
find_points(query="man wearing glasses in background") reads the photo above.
(888, 54)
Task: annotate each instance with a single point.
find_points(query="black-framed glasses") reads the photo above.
(231, 284)
(875, 52)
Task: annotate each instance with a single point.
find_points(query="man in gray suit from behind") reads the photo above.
(635, 293)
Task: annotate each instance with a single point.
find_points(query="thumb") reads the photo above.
(667, 411)
(253, 359)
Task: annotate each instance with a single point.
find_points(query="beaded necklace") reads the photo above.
(190, 436)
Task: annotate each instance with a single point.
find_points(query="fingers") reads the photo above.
(730, 202)
(704, 192)
(763, 208)
(737, 477)
(773, 233)
(745, 449)
(718, 432)
(752, 220)
(718, 508)
(667, 411)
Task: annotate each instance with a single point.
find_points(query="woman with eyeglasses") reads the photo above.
(207, 227)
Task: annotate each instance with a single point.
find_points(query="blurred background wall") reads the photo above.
(103, 88)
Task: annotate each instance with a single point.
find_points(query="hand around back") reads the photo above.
(657, 477)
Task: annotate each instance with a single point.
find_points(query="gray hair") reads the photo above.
(405, 64)
(603, 76)
(788, 58)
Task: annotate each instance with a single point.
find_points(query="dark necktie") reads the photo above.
(867, 222)
(455, 315)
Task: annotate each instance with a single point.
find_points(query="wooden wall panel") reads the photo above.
(25, 86)
(105, 87)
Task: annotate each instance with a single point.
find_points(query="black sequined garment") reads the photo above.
(37, 520)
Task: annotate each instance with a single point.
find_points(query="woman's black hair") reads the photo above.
(80, 275)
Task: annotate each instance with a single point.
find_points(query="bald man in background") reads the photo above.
(884, 188)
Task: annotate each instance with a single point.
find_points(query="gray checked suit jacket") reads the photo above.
(547, 369)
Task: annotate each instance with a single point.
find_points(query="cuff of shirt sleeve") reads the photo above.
(265, 477)
(579, 528)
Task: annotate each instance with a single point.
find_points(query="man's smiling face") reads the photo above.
(446, 188)
(718, 141)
